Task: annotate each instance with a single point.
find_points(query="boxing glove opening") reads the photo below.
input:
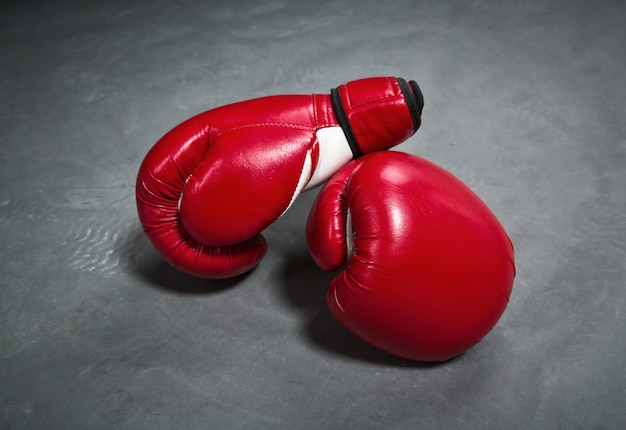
(414, 100)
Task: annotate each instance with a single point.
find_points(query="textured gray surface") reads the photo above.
(525, 101)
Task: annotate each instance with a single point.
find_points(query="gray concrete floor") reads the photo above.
(525, 102)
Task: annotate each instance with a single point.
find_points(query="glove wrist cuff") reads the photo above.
(377, 113)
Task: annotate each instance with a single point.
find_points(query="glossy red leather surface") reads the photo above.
(431, 269)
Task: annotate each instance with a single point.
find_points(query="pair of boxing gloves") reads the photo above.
(427, 269)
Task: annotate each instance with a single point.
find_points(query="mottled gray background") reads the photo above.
(525, 102)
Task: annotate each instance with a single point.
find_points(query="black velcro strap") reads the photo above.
(342, 118)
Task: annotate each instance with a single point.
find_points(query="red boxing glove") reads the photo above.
(207, 189)
(428, 267)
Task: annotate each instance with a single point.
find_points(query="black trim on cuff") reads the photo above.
(414, 100)
(342, 118)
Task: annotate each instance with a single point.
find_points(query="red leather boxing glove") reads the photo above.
(207, 189)
(427, 267)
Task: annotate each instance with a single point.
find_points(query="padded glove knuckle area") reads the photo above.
(161, 181)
